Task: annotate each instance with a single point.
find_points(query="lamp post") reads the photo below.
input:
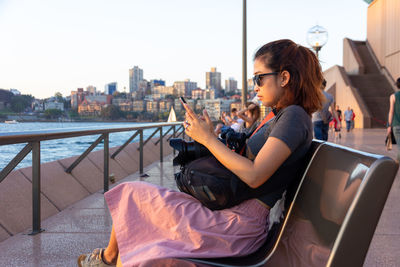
(244, 58)
(317, 37)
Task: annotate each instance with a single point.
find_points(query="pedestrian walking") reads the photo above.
(348, 114)
(322, 117)
(338, 123)
(352, 119)
(394, 117)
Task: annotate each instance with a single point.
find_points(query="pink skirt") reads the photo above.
(152, 222)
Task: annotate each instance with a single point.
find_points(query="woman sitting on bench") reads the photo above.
(152, 222)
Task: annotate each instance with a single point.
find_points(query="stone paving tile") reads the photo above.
(85, 173)
(94, 201)
(79, 221)
(3, 234)
(384, 251)
(17, 218)
(61, 188)
(49, 249)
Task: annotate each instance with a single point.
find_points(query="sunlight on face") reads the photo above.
(269, 92)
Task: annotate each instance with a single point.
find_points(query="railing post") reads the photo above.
(173, 135)
(36, 188)
(106, 161)
(161, 145)
(141, 151)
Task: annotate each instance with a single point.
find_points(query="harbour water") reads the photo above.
(63, 148)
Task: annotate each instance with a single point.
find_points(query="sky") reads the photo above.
(49, 46)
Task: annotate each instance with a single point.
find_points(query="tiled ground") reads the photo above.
(86, 224)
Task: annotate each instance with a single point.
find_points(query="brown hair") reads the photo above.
(255, 111)
(306, 78)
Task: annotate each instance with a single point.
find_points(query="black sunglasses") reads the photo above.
(257, 78)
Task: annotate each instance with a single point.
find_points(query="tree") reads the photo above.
(52, 113)
(5, 97)
(59, 97)
(21, 102)
(110, 112)
(73, 113)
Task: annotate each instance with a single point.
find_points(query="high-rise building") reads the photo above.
(215, 107)
(157, 82)
(231, 85)
(250, 84)
(91, 89)
(110, 88)
(198, 93)
(135, 77)
(154, 83)
(213, 80)
(185, 87)
(77, 97)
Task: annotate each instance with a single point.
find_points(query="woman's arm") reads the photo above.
(242, 115)
(227, 120)
(253, 173)
(392, 100)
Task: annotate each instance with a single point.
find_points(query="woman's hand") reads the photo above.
(199, 128)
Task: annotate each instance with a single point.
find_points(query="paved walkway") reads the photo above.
(87, 224)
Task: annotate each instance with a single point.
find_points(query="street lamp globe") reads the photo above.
(317, 37)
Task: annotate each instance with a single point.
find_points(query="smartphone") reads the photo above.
(183, 99)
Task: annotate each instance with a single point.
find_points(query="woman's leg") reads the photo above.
(396, 133)
(111, 252)
(119, 264)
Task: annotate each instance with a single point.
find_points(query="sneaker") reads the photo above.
(93, 259)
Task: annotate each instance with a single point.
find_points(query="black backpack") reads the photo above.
(212, 184)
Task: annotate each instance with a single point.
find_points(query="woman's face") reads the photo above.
(270, 91)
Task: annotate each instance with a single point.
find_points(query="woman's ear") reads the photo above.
(285, 77)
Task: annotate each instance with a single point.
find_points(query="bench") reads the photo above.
(331, 213)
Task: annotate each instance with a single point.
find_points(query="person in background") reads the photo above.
(352, 119)
(229, 120)
(348, 114)
(250, 115)
(338, 123)
(394, 117)
(339, 113)
(246, 120)
(322, 117)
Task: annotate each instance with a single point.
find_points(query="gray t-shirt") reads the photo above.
(293, 126)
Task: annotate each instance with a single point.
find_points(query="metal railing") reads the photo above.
(34, 138)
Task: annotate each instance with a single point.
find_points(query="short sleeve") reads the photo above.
(293, 127)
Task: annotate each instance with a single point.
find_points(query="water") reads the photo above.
(64, 148)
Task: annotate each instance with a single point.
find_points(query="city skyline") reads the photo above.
(63, 45)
